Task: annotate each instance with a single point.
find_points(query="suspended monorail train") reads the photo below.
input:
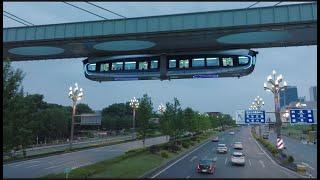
(231, 63)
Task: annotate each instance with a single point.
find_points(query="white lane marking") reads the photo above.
(53, 166)
(179, 160)
(249, 162)
(33, 165)
(28, 162)
(225, 162)
(188, 177)
(261, 162)
(194, 157)
(273, 160)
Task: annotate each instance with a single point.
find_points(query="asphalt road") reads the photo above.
(57, 163)
(258, 163)
(302, 153)
(75, 144)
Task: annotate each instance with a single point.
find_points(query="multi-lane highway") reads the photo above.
(258, 163)
(57, 163)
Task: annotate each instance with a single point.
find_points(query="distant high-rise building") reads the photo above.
(313, 93)
(302, 99)
(288, 95)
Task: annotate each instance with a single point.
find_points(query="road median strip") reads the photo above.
(125, 165)
(273, 159)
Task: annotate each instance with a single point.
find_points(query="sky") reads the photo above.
(52, 78)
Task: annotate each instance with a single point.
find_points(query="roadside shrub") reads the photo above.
(185, 145)
(290, 159)
(191, 143)
(162, 146)
(135, 151)
(154, 148)
(174, 148)
(164, 154)
(194, 138)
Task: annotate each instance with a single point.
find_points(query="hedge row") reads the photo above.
(175, 146)
(275, 152)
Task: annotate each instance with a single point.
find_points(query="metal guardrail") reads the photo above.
(61, 147)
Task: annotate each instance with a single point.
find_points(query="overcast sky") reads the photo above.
(52, 78)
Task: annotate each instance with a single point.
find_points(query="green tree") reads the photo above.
(165, 124)
(174, 115)
(12, 100)
(117, 116)
(83, 108)
(144, 113)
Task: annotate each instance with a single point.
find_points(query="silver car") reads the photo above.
(237, 158)
(238, 145)
(222, 148)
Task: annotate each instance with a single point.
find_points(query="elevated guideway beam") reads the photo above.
(262, 27)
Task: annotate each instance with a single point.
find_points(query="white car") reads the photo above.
(238, 145)
(237, 158)
(231, 133)
(222, 148)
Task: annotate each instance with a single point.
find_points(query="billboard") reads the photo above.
(90, 119)
(240, 117)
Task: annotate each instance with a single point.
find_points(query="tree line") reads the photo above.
(28, 119)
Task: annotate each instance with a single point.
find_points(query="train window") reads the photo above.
(213, 62)
(154, 64)
(243, 60)
(172, 63)
(143, 65)
(198, 62)
(117, 66)
(227, 61)
(104, 67)
(184, 63)
(92, 67)
(129, 65)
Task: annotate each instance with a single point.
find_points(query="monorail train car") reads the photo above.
(231, 63)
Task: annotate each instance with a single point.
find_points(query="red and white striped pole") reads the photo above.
(280, 144)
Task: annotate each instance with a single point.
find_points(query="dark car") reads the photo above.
(206, 166)
(265, 135)
(215, 139)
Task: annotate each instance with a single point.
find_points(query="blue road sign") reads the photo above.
(304, 116)
(255, 117)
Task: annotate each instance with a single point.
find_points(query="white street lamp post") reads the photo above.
(162, 109)
(75, 94)
(134, 103)
(273, 85)
(257, 105)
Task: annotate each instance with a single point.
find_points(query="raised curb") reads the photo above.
(277, 161)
